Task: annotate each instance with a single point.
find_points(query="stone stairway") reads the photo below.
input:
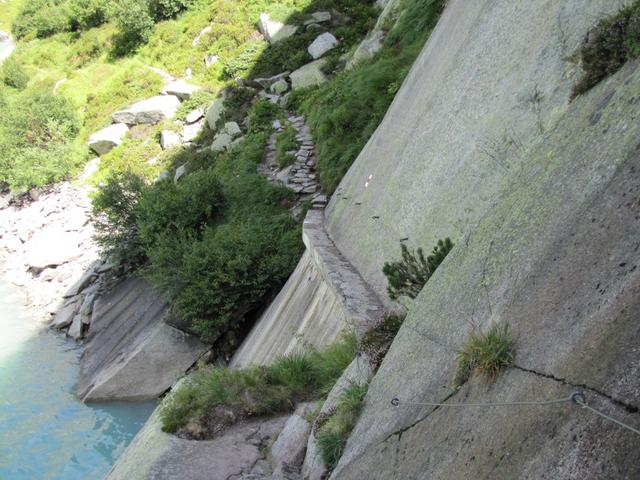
(300, 176)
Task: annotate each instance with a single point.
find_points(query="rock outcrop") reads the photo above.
(105, 140)
(131, 353)
(309, 75)
(150, 111)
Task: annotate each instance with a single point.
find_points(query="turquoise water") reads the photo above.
(45, 432)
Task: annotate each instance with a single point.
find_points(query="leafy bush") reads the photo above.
(408, 276)
(37, 131)
(42, 18)
(609, 45)
(333, 434)
(199, 407)
(115, 219)
(165, 9)
(13, 74)
(134, 22)
(486, 353)
(86, 14)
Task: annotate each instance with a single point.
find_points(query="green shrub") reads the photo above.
(262, 116)
(134, 22)
(332, 436)
(115, 219)
(41, 18)
(609, 45)
(165, 9)
(408, 276)
(199, 407)
(86, 14)
(485, 353)
(37, 131)
(13, 75)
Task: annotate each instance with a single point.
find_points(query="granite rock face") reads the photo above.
(131, 354)
(556, 259)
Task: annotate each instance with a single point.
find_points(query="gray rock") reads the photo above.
(65, 315)
(132, 354)
(214, 112)
(180, 89)
(180, 171)
(221, 142)
(322, 44)
(169, 139)
(76, 330)
(289, 449)
(232, 129)
(150, 111)
(155, 455)
(105, 140)
(194, 115)
(164, 175)
(50, 247)
(237, 142)
(371, 45)
(266, 82)
(211, 60)
(280, 87)
(318, 17)
(273, 31)
(190, 132)
(309, 75)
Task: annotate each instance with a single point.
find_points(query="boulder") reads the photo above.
(180, 89)
(221, 142)
(169, 139)
(280, 87)
(371, 45)
(211, 60)
(194, 115)
(84, 281)
(103, 141)
(322, 44)
(191, 132)
(309, 75)
(214, 112)
(319, 17)
(289, 449)
(131, 353)
(266, 82)
(51, 247)
(180, 171)
(65, 315)
(273, 31)
(150, 111)
(76, 330)
(232, 129)
(237, 142)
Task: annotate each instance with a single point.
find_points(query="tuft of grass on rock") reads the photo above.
(608, 46)
(485, 353)
(376, 342)
(332, 436)
(213, 397)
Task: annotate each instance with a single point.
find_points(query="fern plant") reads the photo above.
(408, 276)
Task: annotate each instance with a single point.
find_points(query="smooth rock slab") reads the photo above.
(65, 315)
(51, 247)
(155, 455)
(132, 354)
(309, 75)
(322, 44)
(274, 31)
(150, 111)
(180, 89)
(105, 140)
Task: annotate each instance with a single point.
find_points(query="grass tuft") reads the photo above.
(332, 436)
(485, 353)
